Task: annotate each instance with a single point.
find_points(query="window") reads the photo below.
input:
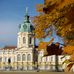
(28, 57)
(41, 59)
(46, 59)
(51, 58)
(24, 40)
(5, 59)
(18, 57)
(14, 59)
(23, 57)
(29, 40)
(0, 59)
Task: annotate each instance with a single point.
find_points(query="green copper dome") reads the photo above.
(26, 26)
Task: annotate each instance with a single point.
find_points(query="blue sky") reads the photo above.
(11, 15)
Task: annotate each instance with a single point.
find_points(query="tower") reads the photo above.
(26, 35)
(25, 42)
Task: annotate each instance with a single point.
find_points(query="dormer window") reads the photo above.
(24, 40)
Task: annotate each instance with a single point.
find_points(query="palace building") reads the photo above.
(25, 55)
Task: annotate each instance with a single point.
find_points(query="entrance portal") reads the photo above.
(9, 60)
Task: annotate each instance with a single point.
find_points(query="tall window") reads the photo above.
(5, 59)
(29, 40)
(28, 57)
(46, 59)
(0, 59)
(23, 57)
(9, 60)
(51, 58)
(24, 40)
(41, 59)
(18, 57)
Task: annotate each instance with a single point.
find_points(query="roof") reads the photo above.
(26, 26)
(10, 47)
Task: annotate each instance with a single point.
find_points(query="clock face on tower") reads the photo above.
(25, 26)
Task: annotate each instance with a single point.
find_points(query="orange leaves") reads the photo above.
(59, 13)
(39, 33)
(43, 45)
(72, 58)
(39, 7)
(68, 50)
(70, 14)
(41, 23)
(70, 62)
(66, 3)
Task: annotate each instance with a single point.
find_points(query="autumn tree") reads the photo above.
(68, 50)
(58, 13)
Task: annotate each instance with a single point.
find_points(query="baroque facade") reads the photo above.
(26, 56)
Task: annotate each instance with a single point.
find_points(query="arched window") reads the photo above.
(23, 57)
(24, 40)
(18, 57)
(29, 40)
(28, 57)
(9, 60)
